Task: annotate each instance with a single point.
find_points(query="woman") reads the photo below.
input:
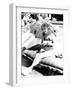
(34, 48)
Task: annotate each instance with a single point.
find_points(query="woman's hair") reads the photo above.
(36, 30)
(39, 30)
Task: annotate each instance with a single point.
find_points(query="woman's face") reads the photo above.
(45, 29)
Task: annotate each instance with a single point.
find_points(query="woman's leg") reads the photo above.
(39, 57)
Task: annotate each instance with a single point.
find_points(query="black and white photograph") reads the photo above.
(38, 45)
(42, 44)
